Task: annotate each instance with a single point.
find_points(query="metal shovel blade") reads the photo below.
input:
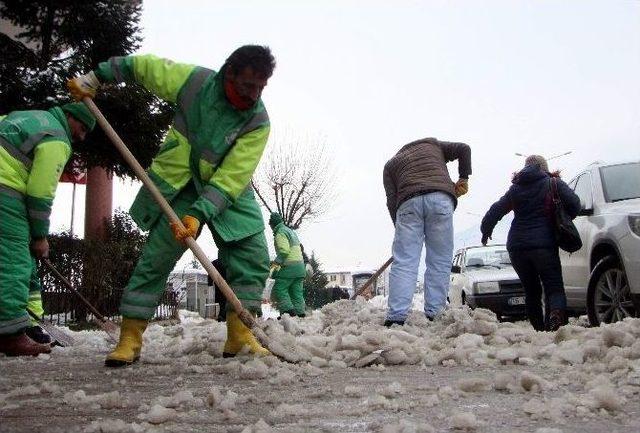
(57, 335)
(112, 330)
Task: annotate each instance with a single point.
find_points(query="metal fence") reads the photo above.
(99, 270)
(63, 307)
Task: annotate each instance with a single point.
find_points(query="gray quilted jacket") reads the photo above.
(420, 167)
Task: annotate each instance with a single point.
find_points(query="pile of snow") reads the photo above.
(465, 421)
(380, 301)
(109, 400)
(589, 371)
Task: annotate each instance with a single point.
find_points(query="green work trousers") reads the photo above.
(288, 295)
(246, 262)
(19, 282)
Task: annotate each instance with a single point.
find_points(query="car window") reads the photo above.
(583, 191)
(620, 182)
(496, 256)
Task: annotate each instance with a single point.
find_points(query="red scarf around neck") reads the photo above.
(234, 98)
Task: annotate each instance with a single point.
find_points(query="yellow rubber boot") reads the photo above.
(128, 349)
(238, 336)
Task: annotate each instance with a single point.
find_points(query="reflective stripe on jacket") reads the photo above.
(34, 148)
(209, 143)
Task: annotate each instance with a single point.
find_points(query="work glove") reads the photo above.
(485, 239)
(191, 226)
(40, 248)
(83, 85)
(461, 187)
(275, 267)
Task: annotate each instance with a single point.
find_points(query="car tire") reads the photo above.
(608, 296)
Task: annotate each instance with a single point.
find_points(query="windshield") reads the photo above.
(621, 182)
(496, 256)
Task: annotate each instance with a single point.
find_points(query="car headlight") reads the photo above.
(487, 287)
(634, 223)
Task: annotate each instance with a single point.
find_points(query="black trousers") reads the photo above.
(538, 269)
(219, 297)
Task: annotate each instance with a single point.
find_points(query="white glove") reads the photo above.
(83, 86)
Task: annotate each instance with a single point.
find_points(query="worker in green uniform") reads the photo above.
(34, 148)
(203, 169)
(287, 269)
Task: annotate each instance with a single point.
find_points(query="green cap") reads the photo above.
(80, 112)
(275, 219)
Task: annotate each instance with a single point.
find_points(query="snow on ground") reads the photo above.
(463, 372)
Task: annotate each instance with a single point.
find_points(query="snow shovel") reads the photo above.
(373, 277)
(58, 336)
(245, 316)
(112, 330)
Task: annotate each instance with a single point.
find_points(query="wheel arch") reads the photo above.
(601, 250)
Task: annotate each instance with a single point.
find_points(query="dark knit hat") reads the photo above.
(275, 219)
(80, 112)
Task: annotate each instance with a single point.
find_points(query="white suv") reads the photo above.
(603, 277)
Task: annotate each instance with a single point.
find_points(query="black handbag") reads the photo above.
(567, 235)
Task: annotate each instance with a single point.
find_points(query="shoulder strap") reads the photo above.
(554, 190)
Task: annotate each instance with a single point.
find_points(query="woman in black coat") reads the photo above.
(531, 241)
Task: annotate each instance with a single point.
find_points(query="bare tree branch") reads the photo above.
(299, 175)
(264, 202)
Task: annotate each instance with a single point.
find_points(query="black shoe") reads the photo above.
(557, 318)
(290, 313)
(389, 323)
(38, 335)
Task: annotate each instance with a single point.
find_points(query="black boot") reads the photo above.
(290, 313)
(557, 318)
(38, 335)
(389, 323)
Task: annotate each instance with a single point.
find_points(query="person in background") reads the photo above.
(203, 169)
(288, 269)
(421, 198)
(35, 145)
(531, 241)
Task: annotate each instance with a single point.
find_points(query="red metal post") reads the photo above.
(98, 203)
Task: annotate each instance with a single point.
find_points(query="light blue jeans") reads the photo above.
(423, 220)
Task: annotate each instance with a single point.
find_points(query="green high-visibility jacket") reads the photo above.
(288, 253)
(210, 143)
(34, 148)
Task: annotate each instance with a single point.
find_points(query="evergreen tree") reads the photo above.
(56, 40)
(315, 293)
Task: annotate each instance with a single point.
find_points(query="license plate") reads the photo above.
(518, 300)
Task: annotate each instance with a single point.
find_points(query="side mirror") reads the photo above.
(455, 269)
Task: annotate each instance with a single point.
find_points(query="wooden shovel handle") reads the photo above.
(244, 315)
(371, 279)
